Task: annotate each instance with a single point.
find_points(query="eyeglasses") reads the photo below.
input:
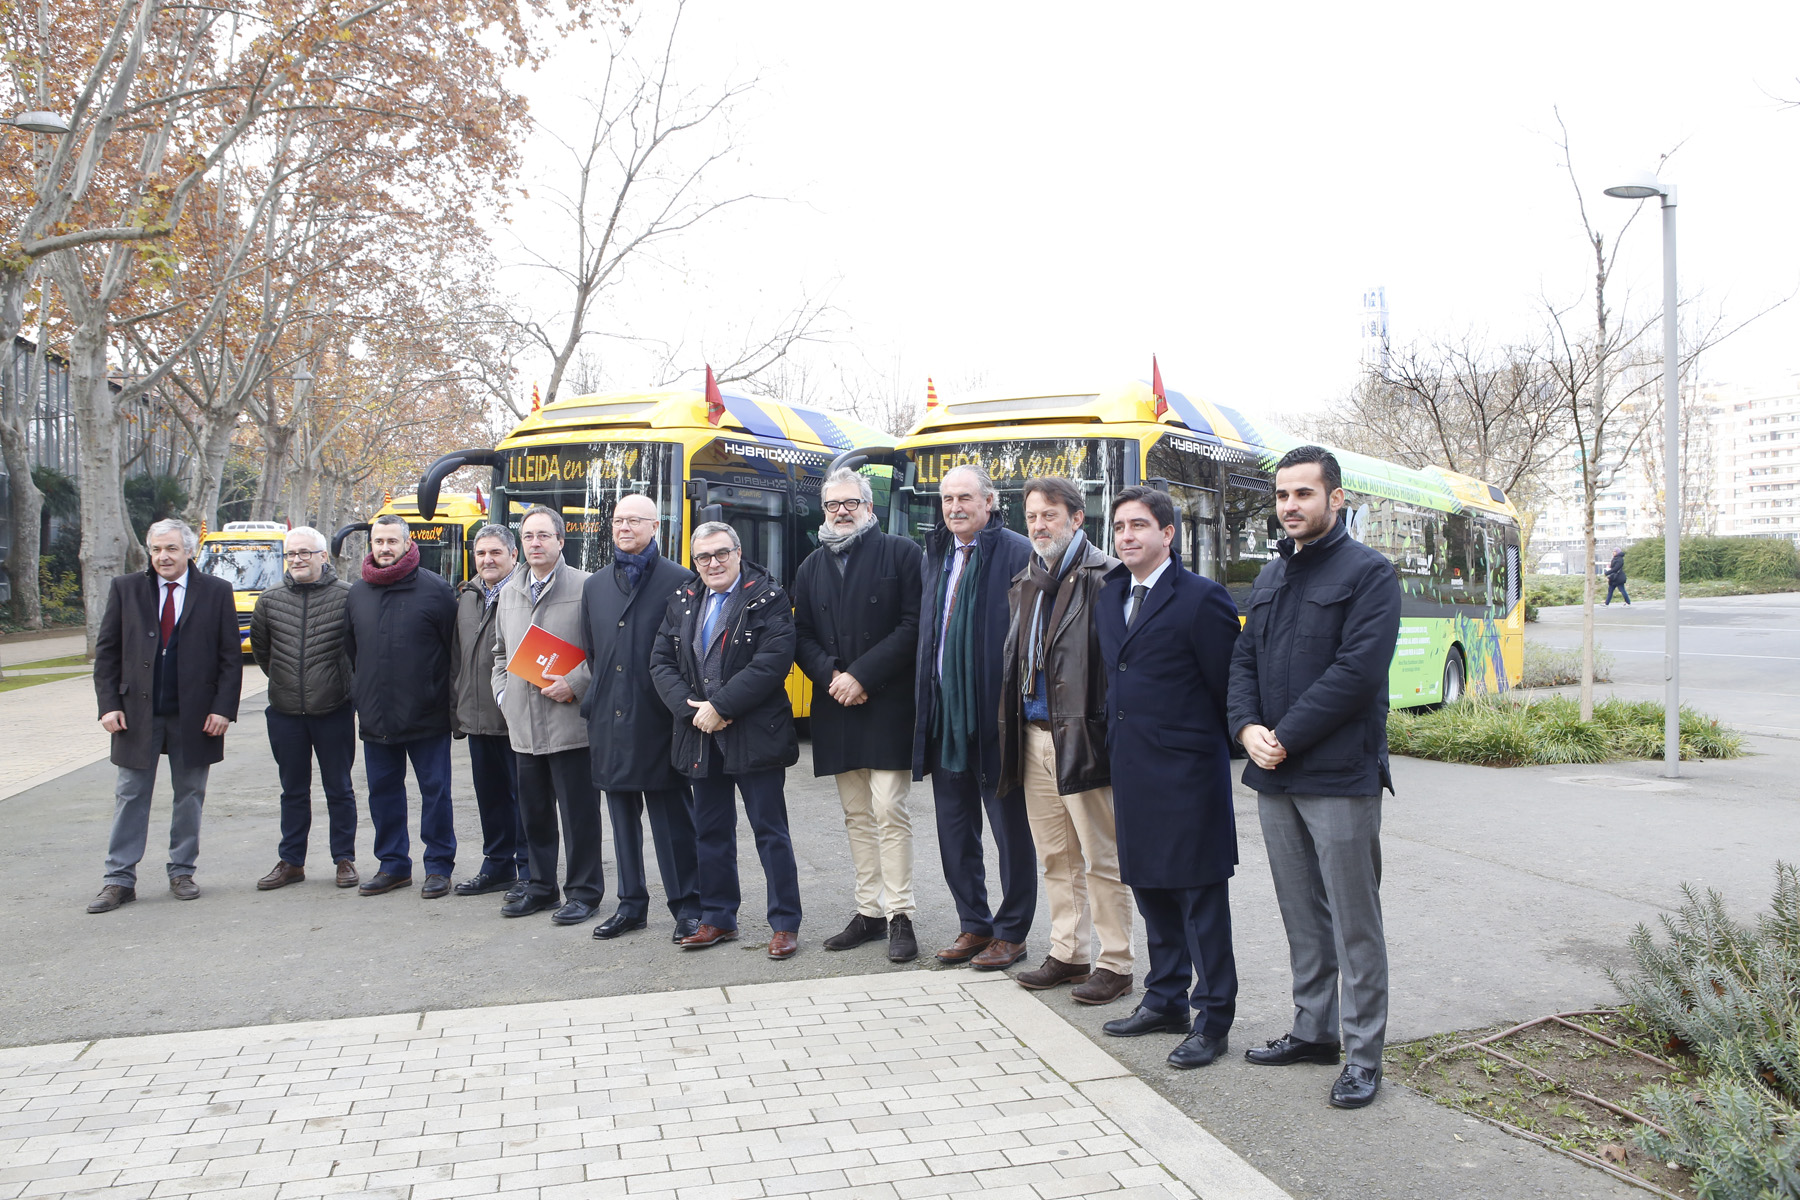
(716, 556)
(300, 555)
(832, 506)
(621, 522)
(539, 537)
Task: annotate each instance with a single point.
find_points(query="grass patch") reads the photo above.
(67, 660)
(1551, 666)
(1494, 731)
(13, 683)
(1552, 591)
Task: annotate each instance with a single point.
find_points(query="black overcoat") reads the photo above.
(1005, 554)
(400, 638)
(1171, 751)
(209, 674)
(863, 620)
(629, 735)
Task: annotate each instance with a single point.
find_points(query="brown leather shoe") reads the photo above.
(110, 897)
(965, 947)
(283, 874)
(183, 887)
(1102, 987)
(1053, 972)
(998, 956)
(783, 944)
(346, 873)
(709, 935)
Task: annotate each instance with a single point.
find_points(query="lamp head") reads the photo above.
(1639, 185)
(38, 121)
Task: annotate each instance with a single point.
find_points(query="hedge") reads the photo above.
(1746, 559)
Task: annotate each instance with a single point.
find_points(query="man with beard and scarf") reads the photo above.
(856, 626)
(1053, 743)
(401, 624)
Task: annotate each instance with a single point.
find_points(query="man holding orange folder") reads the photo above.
(540, 675)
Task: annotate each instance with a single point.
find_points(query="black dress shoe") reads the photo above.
(436, 887)
(381, 882)
(1197, 1050)
(1288, 1049)
(575, 912)
(685, 927)
(903, 945)
(482, 884)
(1356, 1086)
(1147, 1020)
(618, 923)
(516, 891)
(860, 929)
(527, 904)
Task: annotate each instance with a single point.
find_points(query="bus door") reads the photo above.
(440, 549)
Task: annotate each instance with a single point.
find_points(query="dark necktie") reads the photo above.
(168, 615)
(1138, 592)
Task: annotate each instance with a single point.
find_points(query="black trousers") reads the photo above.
(296, 741)
(672, 833)
(960, 800)
(1188, 932)
(715, 829)
(496, 772)
(560, 785)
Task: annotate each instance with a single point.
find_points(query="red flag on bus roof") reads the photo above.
(535, 402)
(931, 396)
(1156, 388)
(715, 403)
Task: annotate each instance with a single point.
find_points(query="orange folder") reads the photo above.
(542, 654)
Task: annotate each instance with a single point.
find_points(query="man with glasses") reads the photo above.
(721, 664)
(628, 727)
(549, 738)
(856, 627)
(297, 638)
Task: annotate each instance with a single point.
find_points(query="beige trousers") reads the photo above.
(1079, 850)
(880, 829)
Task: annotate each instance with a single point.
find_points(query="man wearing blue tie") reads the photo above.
(721, 664)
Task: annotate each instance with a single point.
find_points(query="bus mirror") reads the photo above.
(711, 512)
(697, 491)
(338, 538)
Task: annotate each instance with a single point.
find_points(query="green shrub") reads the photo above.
(1760, 560)
(1496, 731)
(1731, 993)
(1550, 666)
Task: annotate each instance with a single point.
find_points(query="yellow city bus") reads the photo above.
(247, 555)
(445, 540)
(756, 464)
(1454, 541)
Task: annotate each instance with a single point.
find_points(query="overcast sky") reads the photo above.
(1042, 195)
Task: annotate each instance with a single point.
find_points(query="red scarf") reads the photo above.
(405, 565)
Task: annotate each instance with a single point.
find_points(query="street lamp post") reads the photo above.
(1642, 188)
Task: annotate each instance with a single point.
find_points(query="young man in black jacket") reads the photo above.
(1309, 701)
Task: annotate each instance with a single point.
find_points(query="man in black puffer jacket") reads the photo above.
(297, 637)
(402, 623)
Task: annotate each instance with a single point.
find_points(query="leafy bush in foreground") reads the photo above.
(1498, 732)
(1549, 666)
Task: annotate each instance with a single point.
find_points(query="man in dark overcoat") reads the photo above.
(628, 727)
(964, 612)
(856, 628)
(168, 667)
(1165, 640)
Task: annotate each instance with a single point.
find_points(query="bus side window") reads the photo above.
(1250, 529)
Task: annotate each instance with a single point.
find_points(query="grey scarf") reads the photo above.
(840, 543)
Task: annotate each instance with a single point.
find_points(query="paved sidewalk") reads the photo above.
(868, 1087)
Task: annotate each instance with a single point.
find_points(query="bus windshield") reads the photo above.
(250, 566)
(583, 481)
(1097, 466)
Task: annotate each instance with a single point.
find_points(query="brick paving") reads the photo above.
(874, 1087)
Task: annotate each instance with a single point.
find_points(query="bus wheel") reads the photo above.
(1455, 677)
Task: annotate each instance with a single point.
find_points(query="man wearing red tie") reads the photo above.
(167, 672)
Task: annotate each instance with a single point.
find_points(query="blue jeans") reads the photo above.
(384, 765)
(1619, 588)
(496, 773)
(296, 741)
(715, 831)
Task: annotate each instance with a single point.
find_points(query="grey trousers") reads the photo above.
(1325, 857)
(131, 811)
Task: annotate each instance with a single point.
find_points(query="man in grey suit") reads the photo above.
(1308, 699)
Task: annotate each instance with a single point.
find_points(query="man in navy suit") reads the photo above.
(1166, 637)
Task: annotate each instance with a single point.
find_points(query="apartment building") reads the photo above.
(1757, 444)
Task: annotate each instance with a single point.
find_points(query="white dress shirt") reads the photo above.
(1148, 584)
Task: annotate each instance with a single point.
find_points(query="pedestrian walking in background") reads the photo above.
(856, 631)
(630, 742)
(970, 560)
(297, 638)
(1309, 701)
(402, 623)
(1615, 578)
(721, 662)
(1166, 637)
(543, 722)
(168, 667)
(1053, 731)
(478, 720)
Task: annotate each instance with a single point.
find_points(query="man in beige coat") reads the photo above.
(544, 724)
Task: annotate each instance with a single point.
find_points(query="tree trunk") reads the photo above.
(27, 506)
(274, 472)
(206, 472)
(106, 537)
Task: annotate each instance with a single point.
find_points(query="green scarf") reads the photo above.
(957, 721)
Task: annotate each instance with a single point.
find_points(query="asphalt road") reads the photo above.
(1740, 655)
(1508, 894)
